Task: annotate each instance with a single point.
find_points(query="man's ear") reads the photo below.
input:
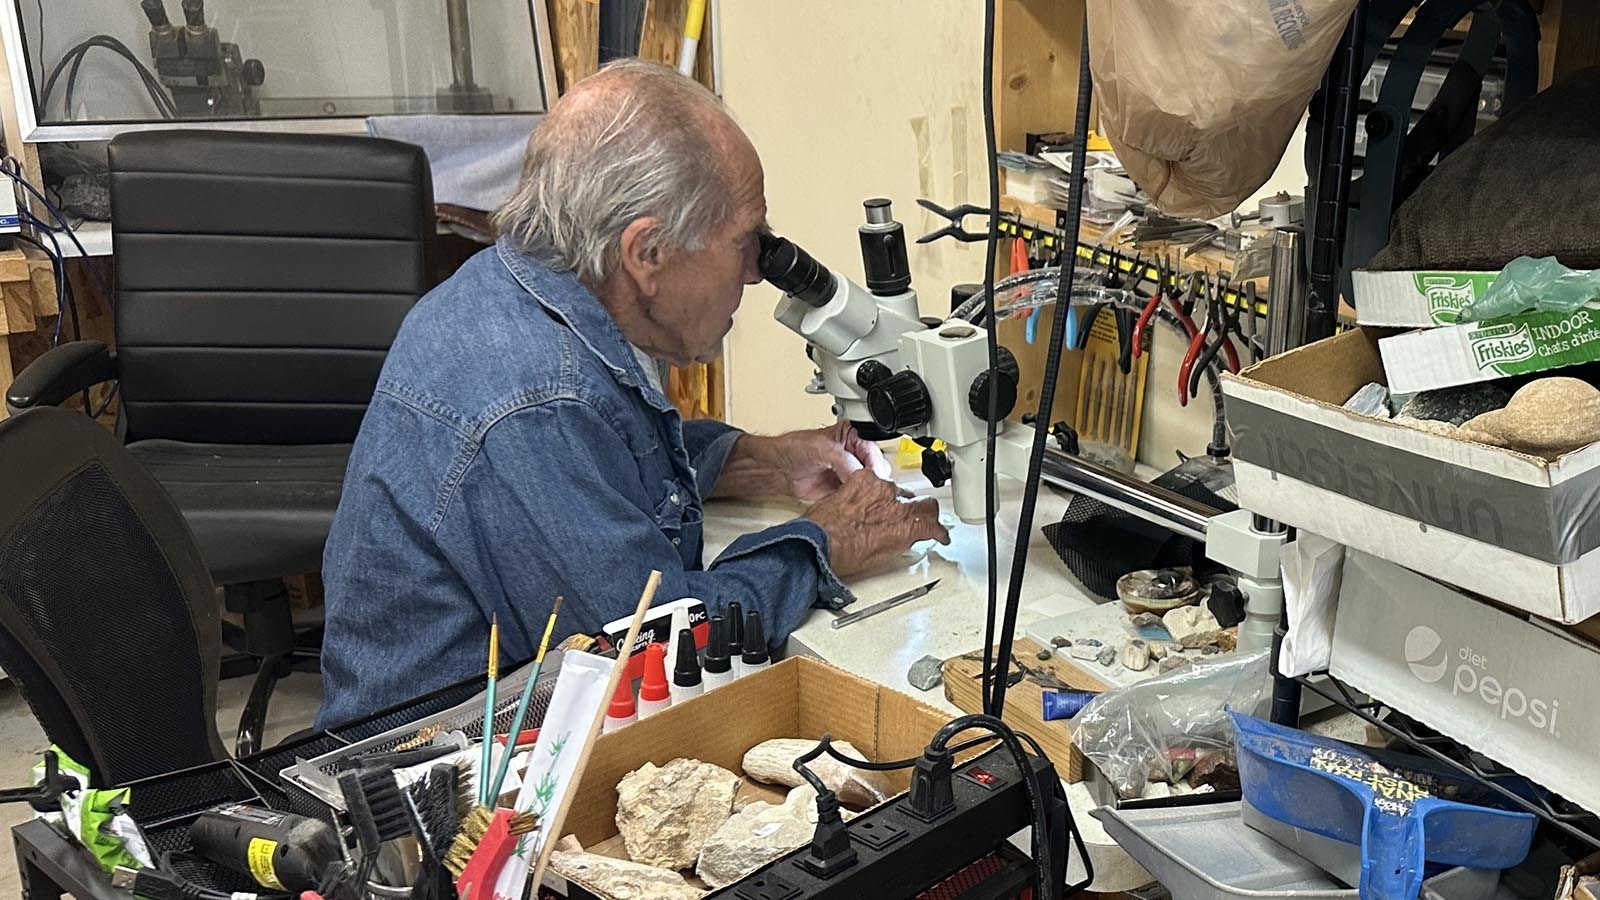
(641, 254)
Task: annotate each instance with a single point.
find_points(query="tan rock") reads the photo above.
(1546, 417)
(1192, 626)
(772, 762)
(619, 879)
(1136, 655)
(758, 834)
(666, 814)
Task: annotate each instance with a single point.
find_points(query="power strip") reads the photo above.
(901, 855)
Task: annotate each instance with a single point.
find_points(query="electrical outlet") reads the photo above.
(878, 833)
(766, 887)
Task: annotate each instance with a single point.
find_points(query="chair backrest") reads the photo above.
(108, 620)
(260, 279)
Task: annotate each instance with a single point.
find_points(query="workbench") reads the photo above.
(948, 621)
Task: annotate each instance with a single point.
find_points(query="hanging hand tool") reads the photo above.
(1202, 351)
(1248, 332)
(1149, 311)
(955, 217)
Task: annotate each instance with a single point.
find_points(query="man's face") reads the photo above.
(699, 290)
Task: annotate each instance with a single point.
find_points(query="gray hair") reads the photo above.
(642, 147)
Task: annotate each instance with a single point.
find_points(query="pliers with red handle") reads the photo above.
(1202, 353)
(1150, 306)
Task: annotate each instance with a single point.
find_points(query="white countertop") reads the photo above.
(950, 619)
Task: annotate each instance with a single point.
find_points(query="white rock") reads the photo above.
(1192, 626)
(1083, 651)
(1136, 655)
(620, 879)
(758, 834)
(569, 844)
(772, 762)
(665, 814)
(1158, 649)
(1156, 790)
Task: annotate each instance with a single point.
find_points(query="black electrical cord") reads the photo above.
(74, 57)
(826, 746)
(1045, 887)
(990, 253)
(1047, 395)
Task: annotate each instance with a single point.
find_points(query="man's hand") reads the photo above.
(867, 522)
(807, 465)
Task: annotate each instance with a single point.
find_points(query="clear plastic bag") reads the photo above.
(1199, 99)
(1155, 730)
(1527, 284)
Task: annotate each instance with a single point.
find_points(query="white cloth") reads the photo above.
(1312, 568)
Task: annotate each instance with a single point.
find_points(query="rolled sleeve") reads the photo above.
(559, 484)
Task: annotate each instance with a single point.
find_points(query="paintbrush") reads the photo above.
(522, 707)
(488, 711)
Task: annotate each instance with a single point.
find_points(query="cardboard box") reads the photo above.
(1512, 527)
(797, 698)
(1415, 299)
(1485, 351)
(1518, 691)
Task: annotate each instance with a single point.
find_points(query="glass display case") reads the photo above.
(89, 69)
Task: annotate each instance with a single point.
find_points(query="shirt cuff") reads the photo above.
(708, 443)
(831, 592)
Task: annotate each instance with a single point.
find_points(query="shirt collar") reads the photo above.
(566, 298)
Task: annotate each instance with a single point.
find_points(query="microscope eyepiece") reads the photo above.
(794, 271)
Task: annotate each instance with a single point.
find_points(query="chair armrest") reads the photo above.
(62, 371)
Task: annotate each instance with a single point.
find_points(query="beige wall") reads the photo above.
(848, 100)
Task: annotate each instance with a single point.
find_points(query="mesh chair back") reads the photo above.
(108, 620)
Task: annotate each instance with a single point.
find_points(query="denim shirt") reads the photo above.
(516, 450)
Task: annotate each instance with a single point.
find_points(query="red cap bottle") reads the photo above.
(654, 692)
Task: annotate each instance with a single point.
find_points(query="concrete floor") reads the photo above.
(294, 705)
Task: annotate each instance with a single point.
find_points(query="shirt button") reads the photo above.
(676, 542)
(673, 498)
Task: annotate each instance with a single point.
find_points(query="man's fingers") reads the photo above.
(841, 461)
(869, 453)
(924, 520)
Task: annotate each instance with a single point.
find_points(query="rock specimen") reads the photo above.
(620, 879)
(1059, 641)
(926, 673)
(665, 814)
(1083, 651)
(1216, 769)
(1136, 655)
(1228, 640)
(1157, 590)
(1173, 662)
(1158, 649)
(1045, 654)
(1454, 405)
(1192, 626)
(772, 762)
(1546, 417)
(1371, 400)
(1107, 656)
(758, 834)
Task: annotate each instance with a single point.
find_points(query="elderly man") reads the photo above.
(519, 446)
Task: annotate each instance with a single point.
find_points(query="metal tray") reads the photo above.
(317, 776)
(1208, 853)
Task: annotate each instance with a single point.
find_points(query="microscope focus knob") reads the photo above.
(900, 402)
(870, 373)
(1005, 378)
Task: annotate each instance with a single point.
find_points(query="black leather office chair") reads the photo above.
(108, 620)
(260, 279)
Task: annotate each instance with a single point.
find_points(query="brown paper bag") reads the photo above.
(1199, 99)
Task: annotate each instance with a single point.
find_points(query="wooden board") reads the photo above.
(1036, 68)
(963, 686)
(575, 38)
(1569, 39)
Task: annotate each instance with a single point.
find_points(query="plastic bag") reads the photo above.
(1155, 730)
(1199, 100)
(1528, 285)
